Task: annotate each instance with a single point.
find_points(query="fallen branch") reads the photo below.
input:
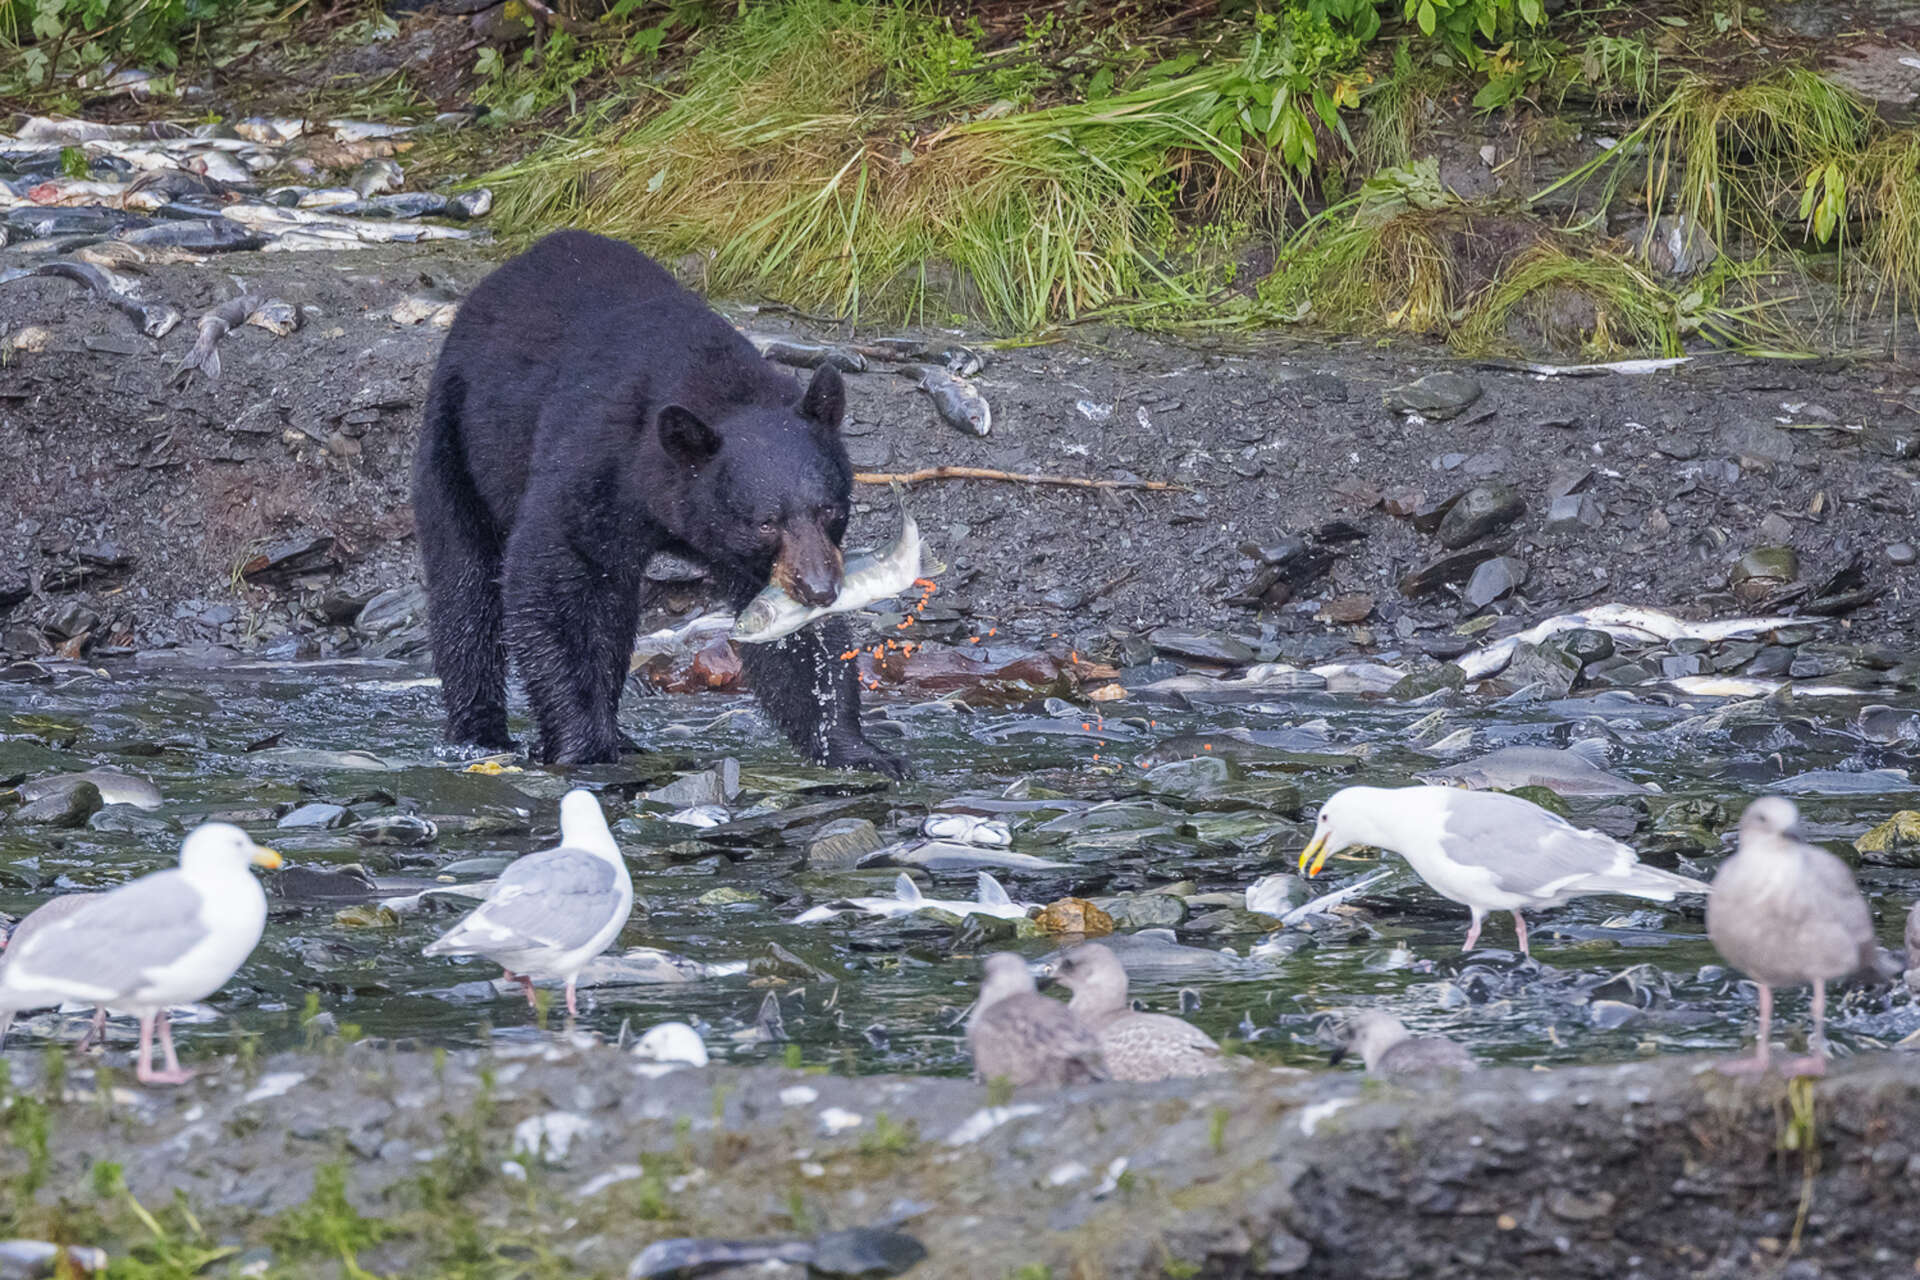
(1012, 477)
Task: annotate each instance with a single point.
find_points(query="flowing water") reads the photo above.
(1611, 978)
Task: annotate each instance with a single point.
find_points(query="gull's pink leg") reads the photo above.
(573, 1009)
(1757, 1064)
(1520, 928)
(96, 1030)
(1473, 934)
(526, 985)
(1815, 1063)
(173, 1073)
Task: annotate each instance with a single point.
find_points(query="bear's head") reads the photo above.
(765, 487)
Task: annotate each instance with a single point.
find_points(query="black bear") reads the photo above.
(586, 413)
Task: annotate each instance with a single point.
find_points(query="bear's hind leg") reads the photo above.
(460, 553)
(570, 627)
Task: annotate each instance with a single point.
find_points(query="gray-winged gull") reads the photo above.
(51, 912)
(1786, 912)
(1487, 850)
(1389, 1049)
(170, 938)
(1136, 1046)
(1019, 1035)
(551, 912)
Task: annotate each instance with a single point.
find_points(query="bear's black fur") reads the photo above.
(586, 413)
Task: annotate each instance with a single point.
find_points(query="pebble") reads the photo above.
(1902, 553)
(317, 814)
(1438, 396)
(1495, 579)
(1478, 512)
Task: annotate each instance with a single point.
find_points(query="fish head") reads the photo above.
(764, 491)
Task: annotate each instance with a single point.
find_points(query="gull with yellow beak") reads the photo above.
(1487, 850)
(174, 937)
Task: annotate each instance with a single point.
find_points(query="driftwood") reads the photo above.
(1011, 477)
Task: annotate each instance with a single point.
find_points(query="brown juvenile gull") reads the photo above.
(1019, 1035)
(551, 912)
(51, 912)
(1389, 1049)
(170, 938)
(1487, 850)
(1786, 912)
(1136, 1046)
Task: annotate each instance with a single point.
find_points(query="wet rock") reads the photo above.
(404, 829)
(1894, 843)
(1761, 572)
(1438, 396)
(1422, 683)
(1675, 245)
(1348, 609)
(67, 808)
(293, 563)
(1773, 660)
(1074, 915)
(315, 816)
(728, 895)
(1286, 1255)
(1144, 911)
(1478, 512)
(1586, 645)
(1444, 572)
(1495, 579)
(391, 611)
(841, 843)
(130, 820)
(1202, 646)
(1197, 777)
(1572, 513)
(707, 787)
(1902, 553)
(1538, 664)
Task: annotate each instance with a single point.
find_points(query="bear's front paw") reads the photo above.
(858, 753)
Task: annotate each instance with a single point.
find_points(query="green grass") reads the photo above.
(829, 152)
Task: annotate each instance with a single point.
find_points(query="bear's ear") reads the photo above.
(825, 402)
(687, 440)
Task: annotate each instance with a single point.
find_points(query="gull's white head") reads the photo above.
(672, 1042)
(1368, 1033)
(219, 849)
(1771, 816)
(1095, 976)
(583, 825)
(1006, 975)
(1342, 820)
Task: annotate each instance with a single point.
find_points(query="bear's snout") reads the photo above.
(808, 568)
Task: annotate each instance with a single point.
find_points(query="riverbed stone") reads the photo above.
(67, 808)
(1495, 579)
(1478, 512)
(1893, 843)
(1444, 572)
(318, 815)
(1543, 664)
(1572, 513)
(841, 843)
(1438, 396)
(1586, 644)
(1902, 553)
(1201, 646)
(1762, 571)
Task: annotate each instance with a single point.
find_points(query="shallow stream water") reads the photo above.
(1610, 979)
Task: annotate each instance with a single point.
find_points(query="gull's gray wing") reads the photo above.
(1030, 1039)
(1526, 849)
(106, 947)
(558, 898)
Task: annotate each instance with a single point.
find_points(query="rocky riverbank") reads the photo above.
(551, 1156)
(1332, 502)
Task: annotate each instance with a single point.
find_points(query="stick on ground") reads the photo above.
(1012, 477)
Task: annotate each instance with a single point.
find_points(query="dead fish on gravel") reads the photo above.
(157, 188)
(1152, 955)
(272, 314)
(1580, 770)
(65, 192)
(645, 966)
(961, 361)
(990, 899)
(1240, 743)
(195, 235)
(942, 856)
(377, 176)
(1326, 902)
(866, 578)
(156, 319)
(437, 307)
(967, 828)
(807, 355)
(114, 787)
(1632, 622)
(1846, 782)
(957, 403)
(862, 1251)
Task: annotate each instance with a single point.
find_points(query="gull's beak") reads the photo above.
(265, 857)
(1316, 853)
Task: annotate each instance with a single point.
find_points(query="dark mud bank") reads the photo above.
(580, 1156)
(267, 508)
